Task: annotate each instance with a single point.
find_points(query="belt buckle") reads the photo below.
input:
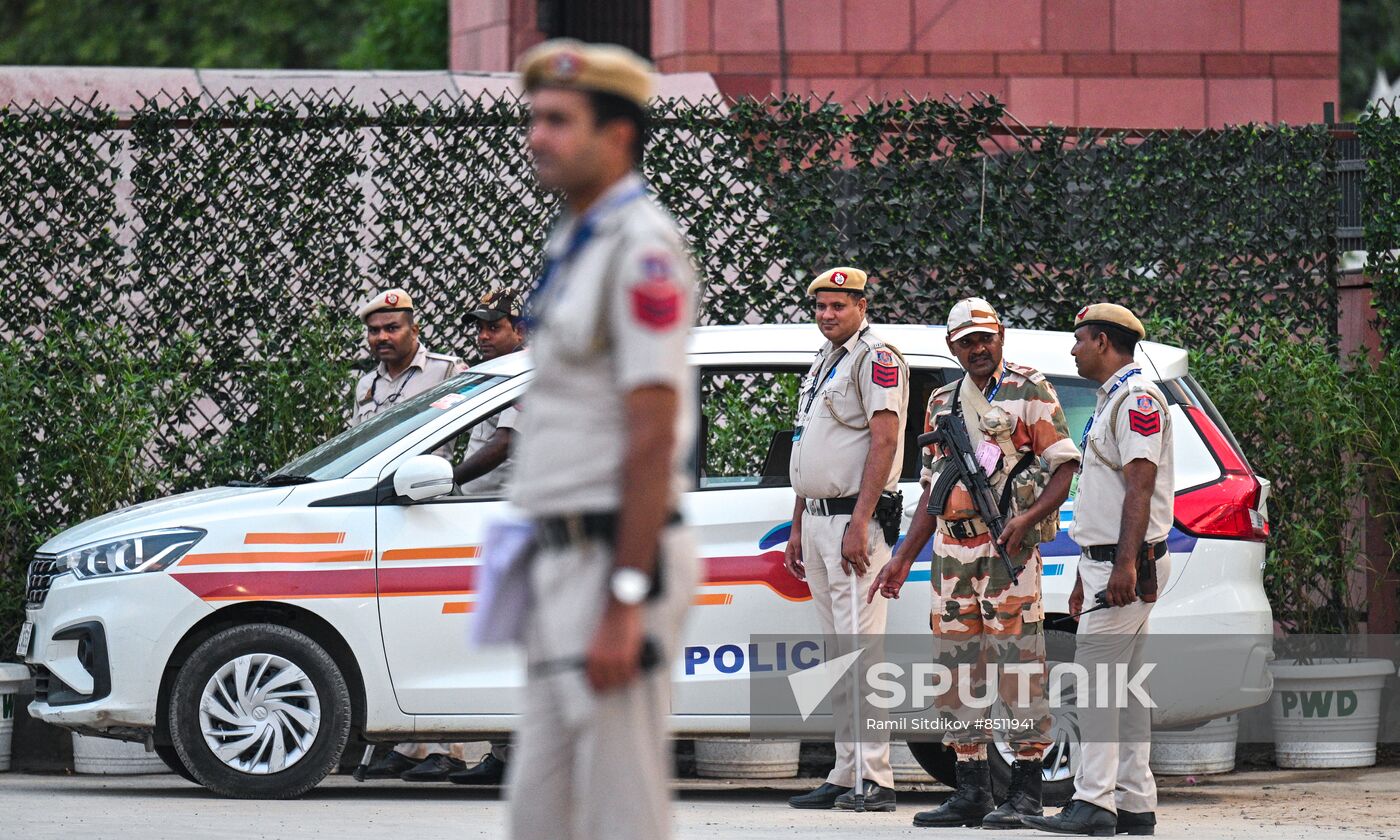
(815, 507)
(573, 528)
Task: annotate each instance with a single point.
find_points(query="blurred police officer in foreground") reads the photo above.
(487, 466)
(601, 462)
(1122, 515)
(405, 369)
(846, 456)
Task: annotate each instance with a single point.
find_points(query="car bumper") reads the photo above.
(100, 646)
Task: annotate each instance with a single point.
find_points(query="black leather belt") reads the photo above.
(578, 528)
(963, 529)
(1109, 553)
(844, 506)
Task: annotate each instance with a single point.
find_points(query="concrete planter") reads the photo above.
(110, 757)
(12, 677)
(1196, 752)
(741, 758)
(1327, 713)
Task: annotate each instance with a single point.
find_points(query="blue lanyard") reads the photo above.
(993, 394)
(1084, 441)
(582, 235)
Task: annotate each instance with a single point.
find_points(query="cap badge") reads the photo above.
(566, 66)
(1082, 313)
(391, 299)
(838, 278)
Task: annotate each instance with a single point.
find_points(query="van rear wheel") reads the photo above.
(260, 711)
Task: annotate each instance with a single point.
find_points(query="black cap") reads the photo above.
(497, 304)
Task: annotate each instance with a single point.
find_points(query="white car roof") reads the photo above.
(1044, 350)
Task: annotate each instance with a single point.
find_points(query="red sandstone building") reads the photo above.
(1131, 63)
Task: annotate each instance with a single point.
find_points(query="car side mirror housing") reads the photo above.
(424, 477)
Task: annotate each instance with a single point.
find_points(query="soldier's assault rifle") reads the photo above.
(950, 432)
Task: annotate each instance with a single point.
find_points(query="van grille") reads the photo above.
(41, 574)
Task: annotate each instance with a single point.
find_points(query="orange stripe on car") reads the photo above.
(456, 607)
(714, 600)
(242, 557)
(446, 552)
(278, 538)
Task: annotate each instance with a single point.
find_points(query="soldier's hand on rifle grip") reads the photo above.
(1015, 532)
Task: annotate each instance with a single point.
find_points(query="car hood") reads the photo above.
(197, 509)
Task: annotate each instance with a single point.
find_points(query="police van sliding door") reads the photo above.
(427, 562)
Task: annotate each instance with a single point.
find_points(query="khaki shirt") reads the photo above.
(1140, 428)
(1040, 428)
(614, 318)
(378, 391)
(492, 483)
(833, 415)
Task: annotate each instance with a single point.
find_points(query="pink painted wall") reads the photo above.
(1129, 63)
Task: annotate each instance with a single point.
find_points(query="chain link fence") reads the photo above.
(229, 238)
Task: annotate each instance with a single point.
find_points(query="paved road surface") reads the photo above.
(1299, 805)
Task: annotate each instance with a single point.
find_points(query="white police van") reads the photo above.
(247, 632)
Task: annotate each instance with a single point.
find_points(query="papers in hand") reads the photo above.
(503, 597)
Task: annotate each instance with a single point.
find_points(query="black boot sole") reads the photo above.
(969, 822)
(1009, 826)
(1142, 831)
(1097, 832)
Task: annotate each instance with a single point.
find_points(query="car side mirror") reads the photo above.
(424, 477)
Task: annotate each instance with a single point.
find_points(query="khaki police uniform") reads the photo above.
(1131, 421)
(377, 391)
(612, 315)
(845, 387)
(978, 614)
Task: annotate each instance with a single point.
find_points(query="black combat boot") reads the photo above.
(1022, 797)
(969, 803)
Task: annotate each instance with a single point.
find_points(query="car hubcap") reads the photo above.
(259, 713)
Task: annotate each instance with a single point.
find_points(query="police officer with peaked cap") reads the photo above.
(1122, 516)
(846, 457)
(405, 368)
(605, 433)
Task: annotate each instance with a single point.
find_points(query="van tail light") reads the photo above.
(1228, 508)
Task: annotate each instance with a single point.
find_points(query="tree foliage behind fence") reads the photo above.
(233, 237)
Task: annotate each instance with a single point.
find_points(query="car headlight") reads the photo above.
(140, 553)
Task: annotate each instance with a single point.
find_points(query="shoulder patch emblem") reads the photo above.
(1146, 424)
(886, 376)
(884, 357)
(1145, 403)
(656, 301)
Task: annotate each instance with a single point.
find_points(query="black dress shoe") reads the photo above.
(1141, 823)
(434, 768)
(820, 798)
(489, 771)
(878, 799)
(1078, 817)
(390, 766)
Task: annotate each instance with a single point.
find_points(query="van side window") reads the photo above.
(746, 422)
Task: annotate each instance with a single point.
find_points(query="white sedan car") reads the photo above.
(247, 632)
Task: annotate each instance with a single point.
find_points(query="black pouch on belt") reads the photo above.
(889, 513)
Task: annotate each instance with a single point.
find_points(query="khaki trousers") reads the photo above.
(831, 593)
(1113, 772)
(589, 766)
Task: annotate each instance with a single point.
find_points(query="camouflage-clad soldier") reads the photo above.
(979, 615)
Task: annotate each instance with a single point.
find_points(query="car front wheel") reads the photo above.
(260, 711)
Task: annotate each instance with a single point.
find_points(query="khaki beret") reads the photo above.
(972, 315)
(1110, 315)
(389, 300)
(606, 68)
(842, 279)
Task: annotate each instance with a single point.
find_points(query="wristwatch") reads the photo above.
(630, 586)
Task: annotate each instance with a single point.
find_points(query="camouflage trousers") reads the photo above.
(985, 624)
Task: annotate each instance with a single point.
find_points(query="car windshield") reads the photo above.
(338, 456)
